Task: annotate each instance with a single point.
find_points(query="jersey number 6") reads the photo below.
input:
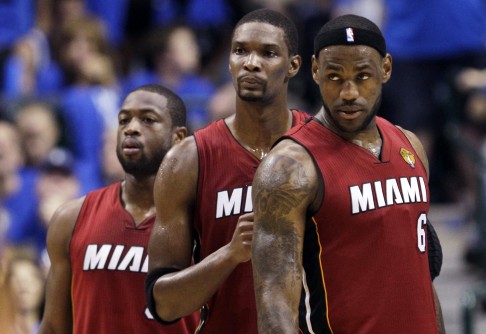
(421, 237)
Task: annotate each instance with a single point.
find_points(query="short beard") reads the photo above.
(252, 98)
(366, 122)
(143, 167)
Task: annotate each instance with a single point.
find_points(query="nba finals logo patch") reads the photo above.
(408, 157)
(349, 34)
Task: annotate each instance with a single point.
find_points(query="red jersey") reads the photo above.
(226, 171)
(365, 260)
(109, 264)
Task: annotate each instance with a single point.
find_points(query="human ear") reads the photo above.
(315, 69)
(178, 134)
(387, 67)
(294, 66)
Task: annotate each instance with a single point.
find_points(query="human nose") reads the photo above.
(132, 127)
(252, 62)
(349, 91)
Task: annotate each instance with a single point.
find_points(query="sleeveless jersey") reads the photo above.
(226, 171)
(109, 265)
(365, 260)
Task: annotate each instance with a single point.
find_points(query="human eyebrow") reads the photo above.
(333, 67)
(270, 46)
(362, 67)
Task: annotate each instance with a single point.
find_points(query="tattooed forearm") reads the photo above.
(286, 187)
(281, 194)
(282, 255)
(277, 268)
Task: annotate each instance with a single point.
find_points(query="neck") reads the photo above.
(138, 190)
(257, 129)
(368, 138)
(137, 197)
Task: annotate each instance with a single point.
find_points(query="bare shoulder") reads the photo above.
(62, 224)
(417, 146)
(285, 154)
(181, 159)
(288, 167)
(66, 215)
(177, 175)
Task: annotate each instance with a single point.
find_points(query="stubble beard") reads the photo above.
(369, 118)
(262, 98)
(144, 166)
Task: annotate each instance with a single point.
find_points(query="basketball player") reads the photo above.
(341, 205)
(98, 243)
(203, 189)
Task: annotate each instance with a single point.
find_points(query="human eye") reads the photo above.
(149, 120)
(270, 53)
(333, 77)
(122, 120)
(238, 50)
(363, 76)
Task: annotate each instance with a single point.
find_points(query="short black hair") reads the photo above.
(276, 19)
(177, 108)
(334, 33)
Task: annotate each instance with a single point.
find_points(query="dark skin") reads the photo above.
(145, 133)
(286, 186)
(260, 66)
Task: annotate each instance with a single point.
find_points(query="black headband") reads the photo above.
(349, 36)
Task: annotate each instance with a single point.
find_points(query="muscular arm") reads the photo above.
(284, 186)
(180, 293)
(58, 310)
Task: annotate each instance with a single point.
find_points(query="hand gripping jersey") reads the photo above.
(365, 250)
(226, 171)
(109, 264)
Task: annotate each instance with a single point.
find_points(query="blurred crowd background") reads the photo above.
(65, 65)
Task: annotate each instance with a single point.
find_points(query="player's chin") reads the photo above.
(251, 96)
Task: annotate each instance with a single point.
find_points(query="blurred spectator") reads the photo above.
(57, 183)
(222, 103)
(16, 18)
(89, 103)
(127, 21)
(467, 132)
(4, 222)
(39, 128)
(212, 19)
(471, 79)
(173, 57)
(430, 42)
(84, 52)
(25, 283)
(114, 14)
(6, 306)
(19, 198)
(31, 70)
